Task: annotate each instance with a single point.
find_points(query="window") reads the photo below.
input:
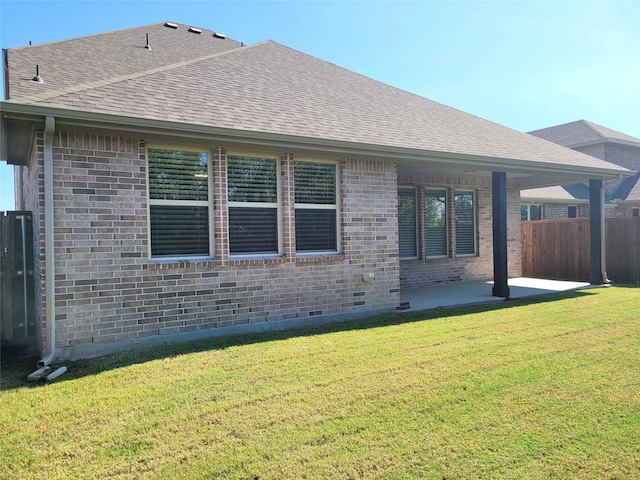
(316, 207)
(252, 184)
(407, 229)
(635, 212)
(178, 203)
(435, 221)
(530, 212)
(465, 224)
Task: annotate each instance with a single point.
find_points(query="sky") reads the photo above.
(525, 65)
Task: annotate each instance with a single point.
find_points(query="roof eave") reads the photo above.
(525, 199)
(599, 141)
(171, 129)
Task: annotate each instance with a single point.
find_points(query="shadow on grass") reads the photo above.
(17, 364)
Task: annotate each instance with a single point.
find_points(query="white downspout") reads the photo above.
(50, 285)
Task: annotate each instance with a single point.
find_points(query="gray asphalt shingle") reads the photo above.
(267, 87)
(580, 131)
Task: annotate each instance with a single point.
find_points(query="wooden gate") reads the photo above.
(16, 276)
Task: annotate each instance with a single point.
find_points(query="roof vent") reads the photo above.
(37, 78)
(147, 46)
(219, 35)
(195, 30)
(171, 25)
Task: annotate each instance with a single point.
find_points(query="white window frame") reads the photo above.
(474, 216)
(447, 219)
(277, 204)
(415, 221)
(197, 203)
(323, 206)
(528, 207)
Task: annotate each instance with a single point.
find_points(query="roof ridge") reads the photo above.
(593, 128)
(110, 81)
(21, 47)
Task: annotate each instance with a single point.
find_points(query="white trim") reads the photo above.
(198, 203)
(529, 205)
(266, 205)
(474, 215)
(315, 206)
(415, 220)
(296, 143)
(447, 198)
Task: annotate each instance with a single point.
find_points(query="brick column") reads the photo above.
(287, 199)
(220, 209)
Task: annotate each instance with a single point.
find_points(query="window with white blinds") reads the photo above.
(407, 224)
(465, 223)
(435, 221)
(315, 190)
(252, 196)
(178, 203)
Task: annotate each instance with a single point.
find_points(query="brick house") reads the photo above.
(622, 196)
(186, 185)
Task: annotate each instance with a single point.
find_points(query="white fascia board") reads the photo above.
(616, 141)
(140, 125)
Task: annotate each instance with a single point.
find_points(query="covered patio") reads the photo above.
(481, 292)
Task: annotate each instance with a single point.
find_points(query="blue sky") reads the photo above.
(526, 65)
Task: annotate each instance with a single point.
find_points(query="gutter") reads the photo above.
(50, 286)
(207, 133)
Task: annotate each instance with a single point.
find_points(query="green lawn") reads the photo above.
(538, 389)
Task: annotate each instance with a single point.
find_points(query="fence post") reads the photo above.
(596, 230)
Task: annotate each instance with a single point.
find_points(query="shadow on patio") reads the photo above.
(480, 292)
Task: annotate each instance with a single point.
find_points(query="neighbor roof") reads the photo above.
(628, 190)
(198, 79)
(581, 132)
(561, 193)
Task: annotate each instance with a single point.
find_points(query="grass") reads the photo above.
(548, 388)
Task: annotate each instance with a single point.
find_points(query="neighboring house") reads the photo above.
(622, 196)
(193, 186)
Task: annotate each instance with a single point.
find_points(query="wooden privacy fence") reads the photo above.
(560, 249)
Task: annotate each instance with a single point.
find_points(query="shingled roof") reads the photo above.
(581, 132)
(560, 193)
(199, 79)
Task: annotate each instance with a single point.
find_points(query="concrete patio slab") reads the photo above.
(480, 292)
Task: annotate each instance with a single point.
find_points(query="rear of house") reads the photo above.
(204, 187)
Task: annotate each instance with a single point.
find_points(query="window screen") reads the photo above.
(178, 203)
(530, 212)
(407, 229)
(465, 224)
(315, 206)
(252, 184)
(435, 220)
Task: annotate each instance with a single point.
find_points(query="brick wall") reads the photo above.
(623, 155)
(110, 295)
(33, 200)
(426, 272)
(552, 211)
